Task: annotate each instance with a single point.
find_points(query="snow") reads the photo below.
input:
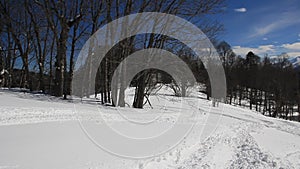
(3, 71)
(295, 61)
(281, 144)
(39, 131)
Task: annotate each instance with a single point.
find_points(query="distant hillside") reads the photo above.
(296, 62)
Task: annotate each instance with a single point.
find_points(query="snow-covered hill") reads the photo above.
(38, 131)
(296, 62)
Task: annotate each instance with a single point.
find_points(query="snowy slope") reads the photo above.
(295, 62)
(38, 131)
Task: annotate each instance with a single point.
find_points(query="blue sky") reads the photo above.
(263, 26)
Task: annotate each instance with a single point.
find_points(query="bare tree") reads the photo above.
(19, 26)
(67, 18)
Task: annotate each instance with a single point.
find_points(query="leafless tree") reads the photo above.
(67, 17)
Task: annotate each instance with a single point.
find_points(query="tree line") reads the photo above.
(270, 86)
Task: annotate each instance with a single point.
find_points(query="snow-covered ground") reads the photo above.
(38, 131)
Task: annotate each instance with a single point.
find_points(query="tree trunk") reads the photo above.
(251, 101)
(60, 61)
(139, 98)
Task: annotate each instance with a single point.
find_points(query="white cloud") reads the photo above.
(240, 10)
(293, 54)
(260, 50)
(292, 49)
(270, 25)
(299, 34)
(292, 46)
(266, 29)
(265, 38)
